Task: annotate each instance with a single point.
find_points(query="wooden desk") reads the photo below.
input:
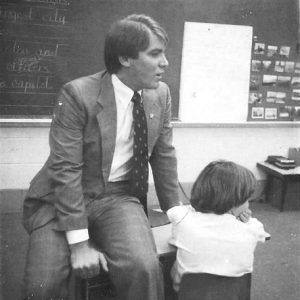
(167, 256)
(285, 176)
(162, 234)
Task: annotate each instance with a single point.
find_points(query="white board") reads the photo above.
(215, 73)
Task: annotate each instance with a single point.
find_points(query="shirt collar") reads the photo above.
(122, 91)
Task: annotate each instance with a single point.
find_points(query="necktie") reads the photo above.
(139, 171)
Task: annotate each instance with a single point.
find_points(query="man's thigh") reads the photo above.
(120, 228)
(47, 268)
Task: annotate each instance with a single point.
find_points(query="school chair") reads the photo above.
(202, 286)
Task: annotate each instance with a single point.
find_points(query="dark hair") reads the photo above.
(221, 186)
(129, 36)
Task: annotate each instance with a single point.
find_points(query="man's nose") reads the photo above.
(164, 62)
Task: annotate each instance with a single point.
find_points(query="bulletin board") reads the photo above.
(275, 23)
(275, 82)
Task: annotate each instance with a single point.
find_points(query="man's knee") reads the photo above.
(47, 267)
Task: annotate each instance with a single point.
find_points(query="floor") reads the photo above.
(276, 273)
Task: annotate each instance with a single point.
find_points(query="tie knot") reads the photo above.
(136, 98)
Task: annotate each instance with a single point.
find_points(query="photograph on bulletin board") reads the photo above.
(274, 89)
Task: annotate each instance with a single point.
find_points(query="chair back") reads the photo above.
(202, 286)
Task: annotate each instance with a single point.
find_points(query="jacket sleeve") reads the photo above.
(66, 144)
(163, 160)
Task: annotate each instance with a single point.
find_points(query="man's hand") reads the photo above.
(245, 215)
(86, 260)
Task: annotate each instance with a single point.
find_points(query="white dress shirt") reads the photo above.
(214, 244)
(124, 139)
(123, 149)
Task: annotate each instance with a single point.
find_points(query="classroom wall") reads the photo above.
(246, 144)
(25, 149)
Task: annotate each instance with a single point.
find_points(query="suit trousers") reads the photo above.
(119, 227)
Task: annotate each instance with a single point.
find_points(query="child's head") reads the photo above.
(221, 186)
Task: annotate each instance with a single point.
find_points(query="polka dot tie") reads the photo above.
(139, 171)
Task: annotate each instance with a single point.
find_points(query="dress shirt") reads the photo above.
(123, 149)
(124, 139)
(214, 244)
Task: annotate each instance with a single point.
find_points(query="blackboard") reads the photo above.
(34, 49)
(49, 42)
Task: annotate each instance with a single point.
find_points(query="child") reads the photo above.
(208, 234)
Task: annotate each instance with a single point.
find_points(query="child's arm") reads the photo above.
(246, 215)
(176, 214)
(258, 228)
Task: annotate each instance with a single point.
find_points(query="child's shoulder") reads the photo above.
(253, 222)
(178, 213)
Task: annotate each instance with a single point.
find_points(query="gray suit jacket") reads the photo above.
(82, 142)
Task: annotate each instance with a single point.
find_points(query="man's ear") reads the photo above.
(125, 61)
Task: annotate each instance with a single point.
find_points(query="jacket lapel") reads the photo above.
(107, 120)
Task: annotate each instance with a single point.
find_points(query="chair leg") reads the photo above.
(81, 289)
(84, 289)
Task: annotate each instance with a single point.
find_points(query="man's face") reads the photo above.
(146, 71)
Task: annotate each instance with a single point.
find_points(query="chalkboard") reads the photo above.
(49, 42)
(34, 49)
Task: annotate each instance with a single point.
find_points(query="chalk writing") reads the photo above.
(27, 65)
(33, 49)
(33, 15)
(30, 57)
(55, 17)
(25, 84)
(53, 2)
(16, 16)
(30, 48)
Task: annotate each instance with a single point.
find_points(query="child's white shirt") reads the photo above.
(214, 244)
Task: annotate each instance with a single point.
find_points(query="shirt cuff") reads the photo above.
(77, 236)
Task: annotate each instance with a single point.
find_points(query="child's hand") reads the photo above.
(245, 215)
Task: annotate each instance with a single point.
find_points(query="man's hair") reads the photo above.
(221, 186)
(127, 37)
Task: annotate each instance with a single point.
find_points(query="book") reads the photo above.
(280, 159)
(281, 162)
(284, 165)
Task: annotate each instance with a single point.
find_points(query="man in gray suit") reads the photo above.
(80, 210)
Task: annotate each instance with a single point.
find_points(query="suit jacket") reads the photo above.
(82, 141)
